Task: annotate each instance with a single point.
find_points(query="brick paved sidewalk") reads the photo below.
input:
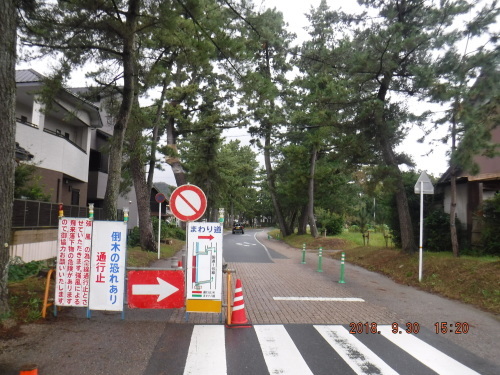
(288, 277)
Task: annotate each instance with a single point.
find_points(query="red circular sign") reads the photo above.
(188, 203)
(160, 198)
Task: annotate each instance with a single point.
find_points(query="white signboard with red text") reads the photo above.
(74, 243)
(107, 276)
(204, 261)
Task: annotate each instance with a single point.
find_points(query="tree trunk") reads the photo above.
(8, 37)
(272, 184)
(310, 193)
(147, 240)
(453, 182)
(406, 228)
(116, 142)
(156, 135)
(303, 220)
(142, 193)
(271, 180)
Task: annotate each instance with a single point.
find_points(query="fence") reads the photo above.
(35, 214)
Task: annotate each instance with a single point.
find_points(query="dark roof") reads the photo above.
(163, 187)
(22, 153)
(32, 76)
(28, 76)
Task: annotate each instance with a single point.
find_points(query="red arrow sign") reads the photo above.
(155, 289)
(188, 203)
(206, 237)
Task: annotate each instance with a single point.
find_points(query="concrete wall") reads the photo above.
(34, 245)
(461, 209)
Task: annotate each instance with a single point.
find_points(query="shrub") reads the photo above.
(18, 270)
(354, 228)
(437, 231)
(332, 222)
(167, 231)
(133, 239)
(491, 226)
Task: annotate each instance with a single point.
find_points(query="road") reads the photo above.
(300, 322)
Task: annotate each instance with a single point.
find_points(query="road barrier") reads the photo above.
(342, 261)
(303, 253)
(320, 260)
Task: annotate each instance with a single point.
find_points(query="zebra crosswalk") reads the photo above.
(297, 350)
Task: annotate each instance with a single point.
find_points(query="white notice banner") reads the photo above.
(74, 241)
(107, 276)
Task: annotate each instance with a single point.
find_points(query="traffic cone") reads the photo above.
(238, 316)
(29, 370)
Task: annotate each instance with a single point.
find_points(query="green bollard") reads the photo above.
(342, 260)
(268, 237)
(320, 260)
(303, 253)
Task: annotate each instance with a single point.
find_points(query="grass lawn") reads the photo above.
(472, 280)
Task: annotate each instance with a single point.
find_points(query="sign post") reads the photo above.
(160, 197)
(423, 186)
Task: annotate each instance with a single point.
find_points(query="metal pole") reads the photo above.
(303, 253)
(320, 260)
(342, 260)
(159, 228)
(228, 288)
(420, 266)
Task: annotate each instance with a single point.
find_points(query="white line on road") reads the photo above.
(207, 351)
(425, 353)
(324, 299)
(280, 353)
(356, 354)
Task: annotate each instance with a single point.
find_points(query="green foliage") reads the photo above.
(18, 270)
(28, 185)
(332, 222)
(491, 226)
(437, 235)
(409, 178)
(168, 231)
(354, 228)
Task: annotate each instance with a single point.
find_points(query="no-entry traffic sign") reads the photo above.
(156, 289)
(188, 203)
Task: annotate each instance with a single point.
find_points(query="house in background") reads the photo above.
(60, 138)
(473, 190)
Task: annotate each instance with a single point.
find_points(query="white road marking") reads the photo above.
(323, 299)
(425, 353)
(280, 353)
(356, 354)
(207, 351)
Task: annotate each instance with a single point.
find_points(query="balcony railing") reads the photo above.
(35, 214)
(52, 132)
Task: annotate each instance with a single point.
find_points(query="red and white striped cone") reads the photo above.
(238, 316)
